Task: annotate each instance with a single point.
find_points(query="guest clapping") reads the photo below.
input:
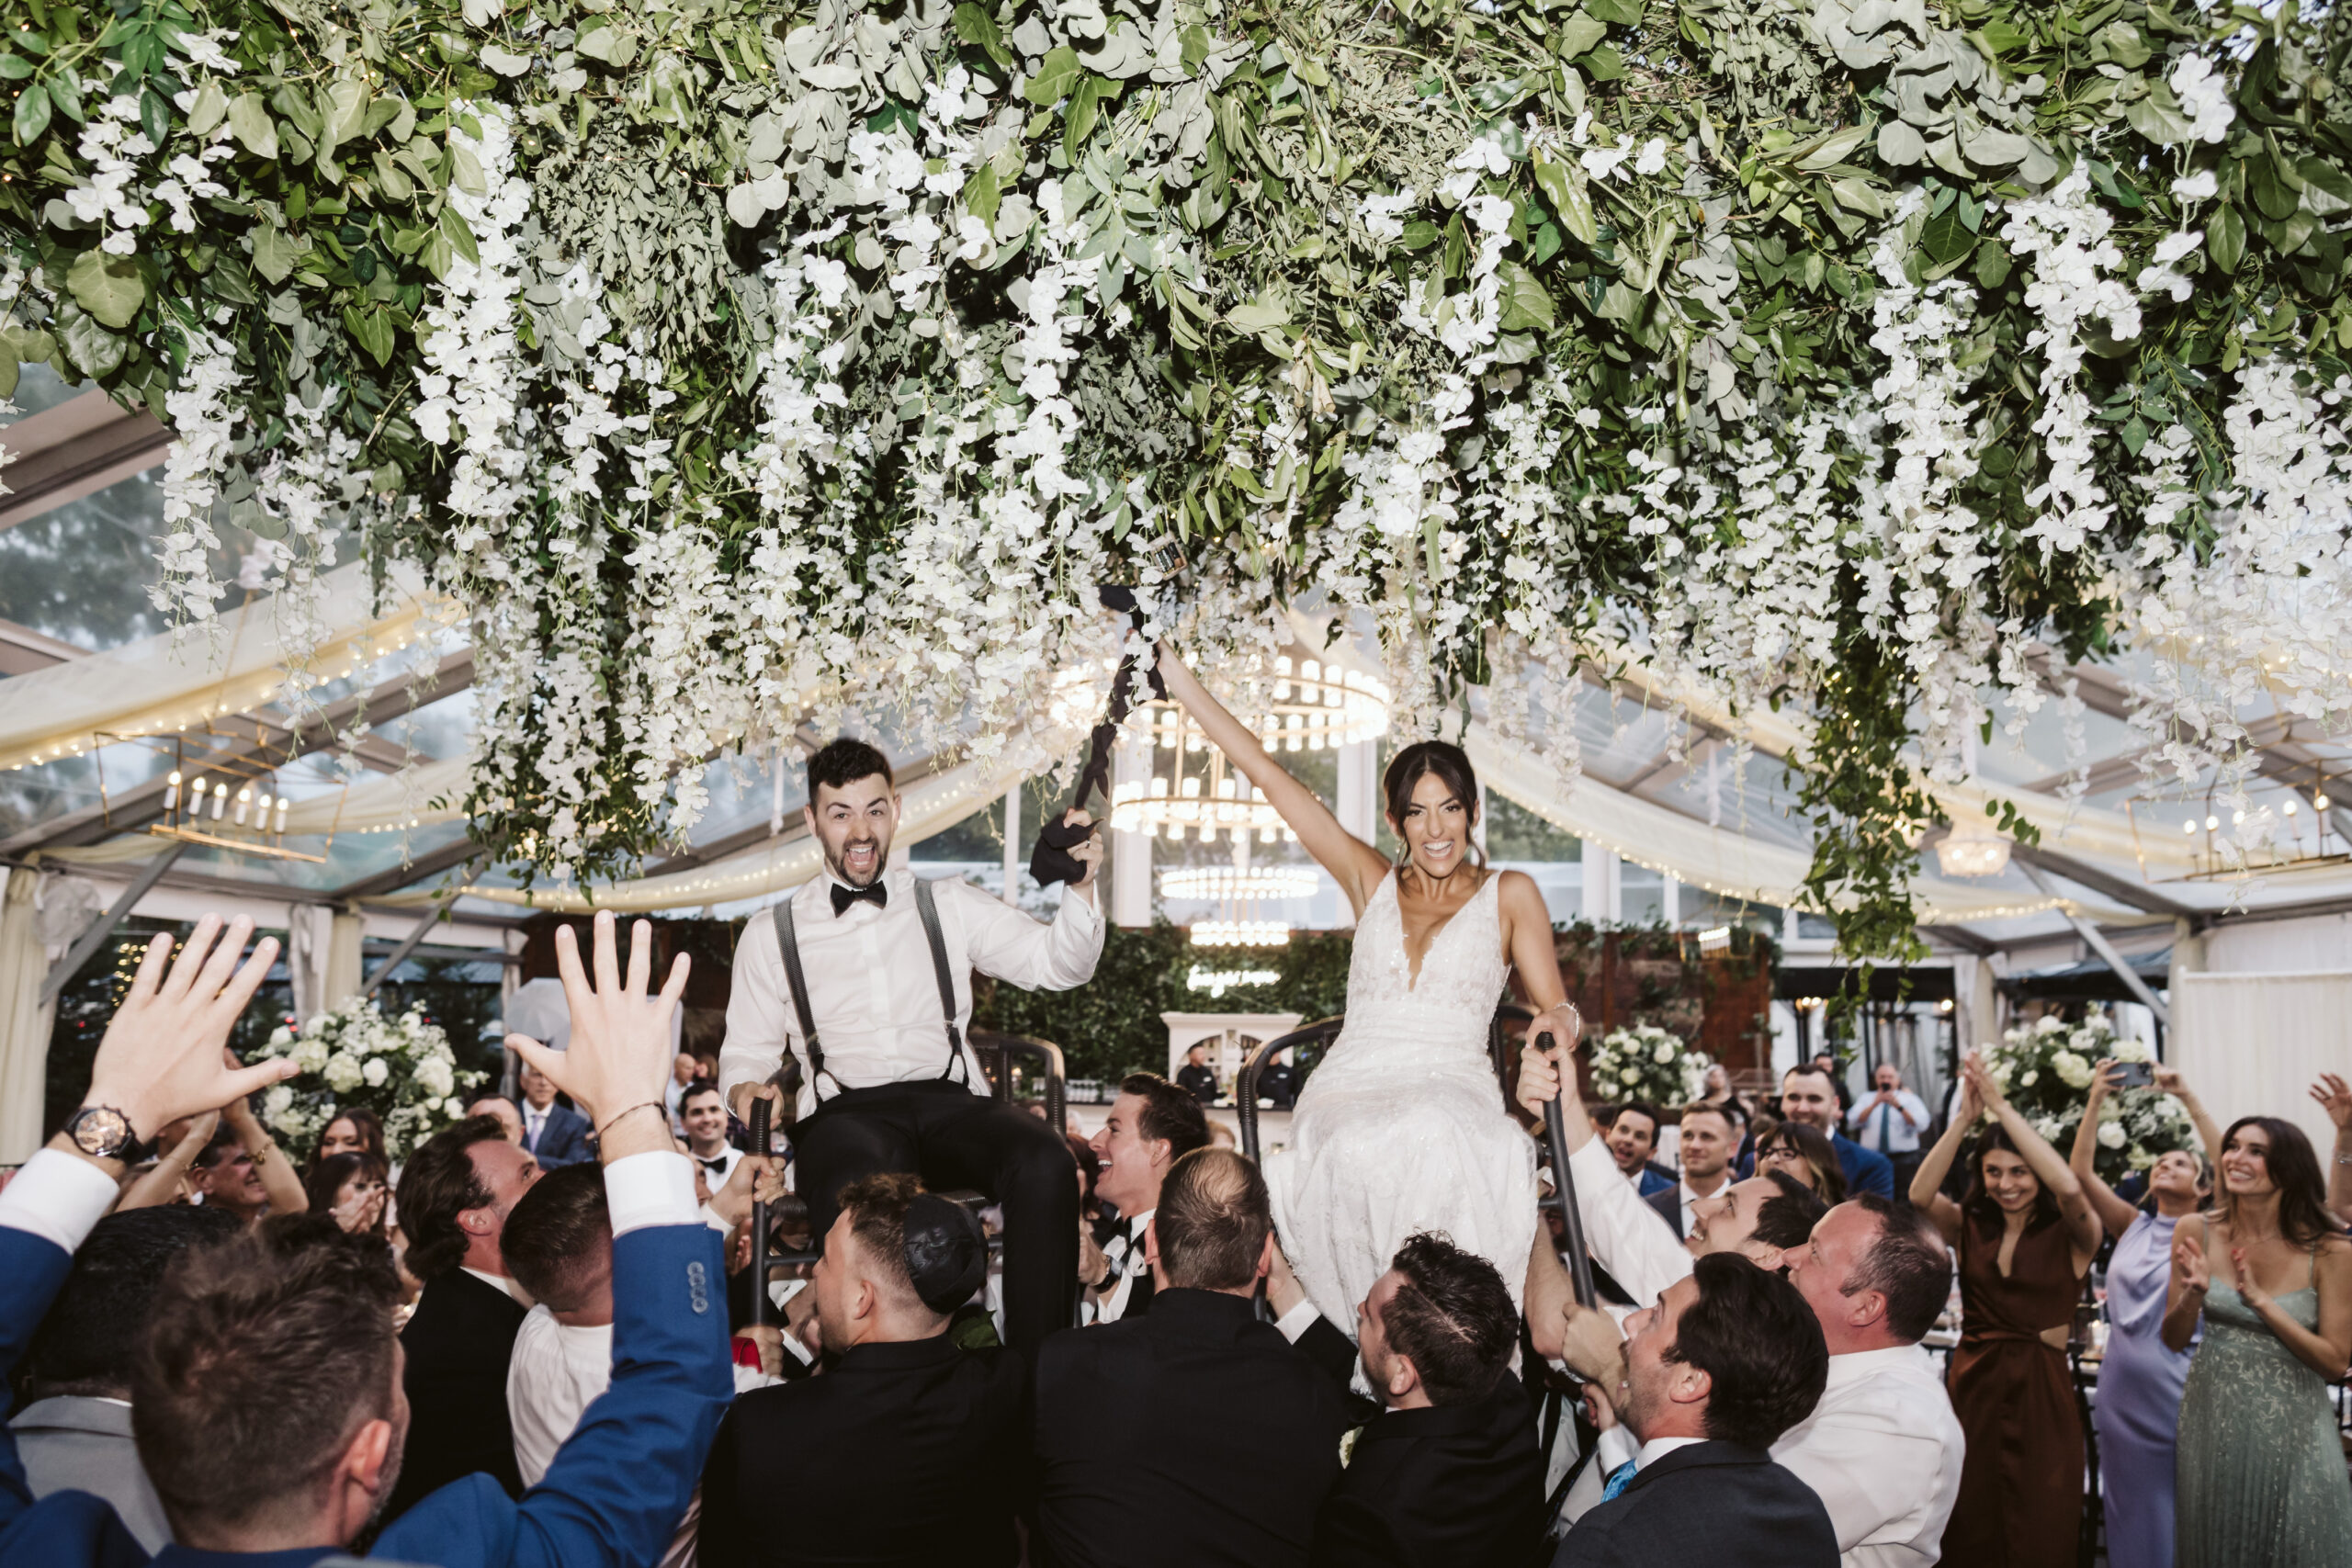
(1726, 1362)
(2260, 1466)
(351, 1190)
(2027, 1234)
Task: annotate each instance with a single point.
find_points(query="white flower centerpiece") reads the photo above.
(400, 1069)
(2045, 1069)
(1646, 1062)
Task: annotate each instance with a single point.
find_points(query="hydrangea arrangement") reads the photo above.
(725, 360)
(1646, 1062)
(2044, 1067)
(402, 1069)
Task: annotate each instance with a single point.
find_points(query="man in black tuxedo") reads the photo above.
(1152, 1125)
(453, 1198)
(908, 1451)
(553, 1134)
(1450, 1475)
(1197, 1435)
(1728, 1359)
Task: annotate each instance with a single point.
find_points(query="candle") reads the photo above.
(172, 793)
(281, 814)
(220, 800)
(245, 804)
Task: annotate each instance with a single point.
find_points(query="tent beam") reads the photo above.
(2097, 940)
(143, 803)
(2032, 858)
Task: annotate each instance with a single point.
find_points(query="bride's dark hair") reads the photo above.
(1417, 761)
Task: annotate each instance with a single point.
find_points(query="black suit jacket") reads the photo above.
(1668, 1204)
(1720, 1504)
(1198, 1082)
(1451, 1486)
(1192, 1436)
(906, 1454)
(563, 1140)
(457, 1344)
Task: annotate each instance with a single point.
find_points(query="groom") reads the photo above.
(864, 976)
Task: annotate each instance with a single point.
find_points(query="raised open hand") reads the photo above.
(2335, 1096)
(2189, 1270)
(163, 1056)
(620, 1053)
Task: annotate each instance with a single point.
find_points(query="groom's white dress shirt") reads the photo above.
(1882, 1448)
(871, 986)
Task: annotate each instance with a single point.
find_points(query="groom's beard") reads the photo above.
(841, 872)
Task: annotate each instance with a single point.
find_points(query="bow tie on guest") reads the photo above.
(716, 1167)
(875, 891)
(1618, 1479)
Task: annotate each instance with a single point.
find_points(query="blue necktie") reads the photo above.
(1885, 1115)
(1618, 1479)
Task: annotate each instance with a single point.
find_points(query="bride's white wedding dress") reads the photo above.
(1402, 1126)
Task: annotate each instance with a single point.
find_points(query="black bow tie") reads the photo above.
(875, 890)
(716, 1167)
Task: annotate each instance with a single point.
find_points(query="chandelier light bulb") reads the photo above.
(172, 793)
(220, 800)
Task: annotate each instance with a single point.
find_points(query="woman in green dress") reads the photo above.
(2260, 1471)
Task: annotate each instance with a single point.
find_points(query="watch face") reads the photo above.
(101, 1131)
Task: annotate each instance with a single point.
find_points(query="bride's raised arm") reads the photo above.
(1356, 865)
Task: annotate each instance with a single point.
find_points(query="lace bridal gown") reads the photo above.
(1402, 1126)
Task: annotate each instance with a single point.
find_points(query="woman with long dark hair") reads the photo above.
(2269, 1274)
(1402, 1128)
(2138, 1412)
(352, 1130)
(2027, 1234)
(353, 1189)
(1803, 1153)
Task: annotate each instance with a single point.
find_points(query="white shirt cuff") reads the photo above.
(1296, 1321)
(58, 1196)
(655, 1188)
(1078, 906)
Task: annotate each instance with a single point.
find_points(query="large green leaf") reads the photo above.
(1527, 304)
(976, 27)
(2225, 238)
(1947, 238)
(108, 287)
(250, 123)
(372, 328)
(1055, 78)
(32, 115)
(276, 253)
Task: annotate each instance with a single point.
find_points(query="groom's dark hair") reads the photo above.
(845, 761)
(1452, 1316)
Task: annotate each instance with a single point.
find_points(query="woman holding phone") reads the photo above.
(2137, 1414)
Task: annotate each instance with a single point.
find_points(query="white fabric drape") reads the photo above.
(322, 957)
(2253, 1044)
(176, 681)
(24, 1020)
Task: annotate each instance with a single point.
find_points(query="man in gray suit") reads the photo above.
(74, 1431)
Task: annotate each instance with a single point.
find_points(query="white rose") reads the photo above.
(1630, 1076)
(2073, 1069)
(317, 1025)
(453, 1106)
(2048, 1127)
(2049, 1023)
(1665, 1053)
(436, 1076)
(2032, 1076)
(280, 1037)
(277, 1102)
(375, 1072)
(2110, 1135)
(341, 1073)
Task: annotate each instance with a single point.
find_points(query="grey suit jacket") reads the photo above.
(74, 1444)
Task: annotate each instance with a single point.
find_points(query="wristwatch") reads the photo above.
(103, 1132)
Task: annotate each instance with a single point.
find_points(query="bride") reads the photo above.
(1402, 1128)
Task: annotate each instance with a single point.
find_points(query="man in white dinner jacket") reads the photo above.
(886, 1082)
(1882, 1448)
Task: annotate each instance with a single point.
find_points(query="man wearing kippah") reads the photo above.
(906, 1450)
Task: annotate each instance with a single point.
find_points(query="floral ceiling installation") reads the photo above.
(729, 358)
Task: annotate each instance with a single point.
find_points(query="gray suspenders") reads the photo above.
(789, 946)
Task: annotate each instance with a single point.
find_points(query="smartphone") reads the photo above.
(2134, 1074)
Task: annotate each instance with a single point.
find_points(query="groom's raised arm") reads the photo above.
(1035, 955)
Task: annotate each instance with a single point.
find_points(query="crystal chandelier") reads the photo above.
(1972, 849)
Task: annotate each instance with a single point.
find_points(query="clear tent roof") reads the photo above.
(76, 562)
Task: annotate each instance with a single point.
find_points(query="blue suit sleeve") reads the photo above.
(1877, 1173)
(621, 1482)
(32, 1271)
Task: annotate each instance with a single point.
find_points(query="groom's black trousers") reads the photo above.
(951, 1137)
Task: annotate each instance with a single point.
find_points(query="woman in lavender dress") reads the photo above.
(2137, 1414)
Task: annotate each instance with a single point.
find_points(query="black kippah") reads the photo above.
(947, 1254)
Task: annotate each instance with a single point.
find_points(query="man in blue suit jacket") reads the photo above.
(1808, 1095)
(264, 1449)
(554, 1134)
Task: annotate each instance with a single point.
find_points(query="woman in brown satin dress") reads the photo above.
(2027, 1234)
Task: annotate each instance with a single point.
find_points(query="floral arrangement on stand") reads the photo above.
(726, 361)
(2044, 1067)
(1645, 1062)
(402, 1069)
